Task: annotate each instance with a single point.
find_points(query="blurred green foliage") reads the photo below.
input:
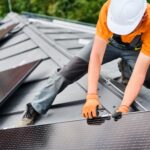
(81, 10)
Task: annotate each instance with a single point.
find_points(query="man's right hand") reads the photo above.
(89, 110)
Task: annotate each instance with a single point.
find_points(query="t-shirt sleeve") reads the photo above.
(101, 27)
(146, 43)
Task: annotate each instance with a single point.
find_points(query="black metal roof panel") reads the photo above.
(76, 135)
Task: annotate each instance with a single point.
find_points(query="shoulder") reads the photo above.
(148, 16)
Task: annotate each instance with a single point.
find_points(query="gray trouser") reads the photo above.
(78, 67)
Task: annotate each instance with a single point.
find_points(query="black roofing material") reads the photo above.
(132, 132)
(10, 80)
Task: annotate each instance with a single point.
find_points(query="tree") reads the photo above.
(3, 7)
(81, 10)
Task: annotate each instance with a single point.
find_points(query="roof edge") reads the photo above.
(51, 18)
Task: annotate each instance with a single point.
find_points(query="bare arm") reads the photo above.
(136, 80)
(96, 58)
(92, 99)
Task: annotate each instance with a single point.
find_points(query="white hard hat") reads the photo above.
(125, 15)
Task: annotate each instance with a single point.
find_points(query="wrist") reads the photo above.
(123, 108)
(92, 96)
(92, 91)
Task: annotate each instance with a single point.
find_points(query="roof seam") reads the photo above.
(17, 54)
(3, 48)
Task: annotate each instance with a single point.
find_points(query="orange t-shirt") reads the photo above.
(144, 29)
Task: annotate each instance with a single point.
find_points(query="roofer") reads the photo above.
(123, 32)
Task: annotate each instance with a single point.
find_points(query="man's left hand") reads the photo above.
(118, 113)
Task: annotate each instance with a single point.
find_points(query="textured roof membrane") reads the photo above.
(130, 133)
(54, 42)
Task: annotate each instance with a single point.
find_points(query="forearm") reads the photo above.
(93, 75)
(133, 88)
(136, 80)
(96, 58)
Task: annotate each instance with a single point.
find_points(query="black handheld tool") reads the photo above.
(102, 115)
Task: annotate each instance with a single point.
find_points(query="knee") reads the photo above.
(76, 68)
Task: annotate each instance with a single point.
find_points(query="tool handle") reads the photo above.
(98, 110)
(100, 119)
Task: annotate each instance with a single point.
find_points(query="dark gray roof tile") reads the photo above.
(19, 48)
(21, 59)
(15, 40)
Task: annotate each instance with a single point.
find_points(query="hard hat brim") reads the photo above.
(124, 29)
